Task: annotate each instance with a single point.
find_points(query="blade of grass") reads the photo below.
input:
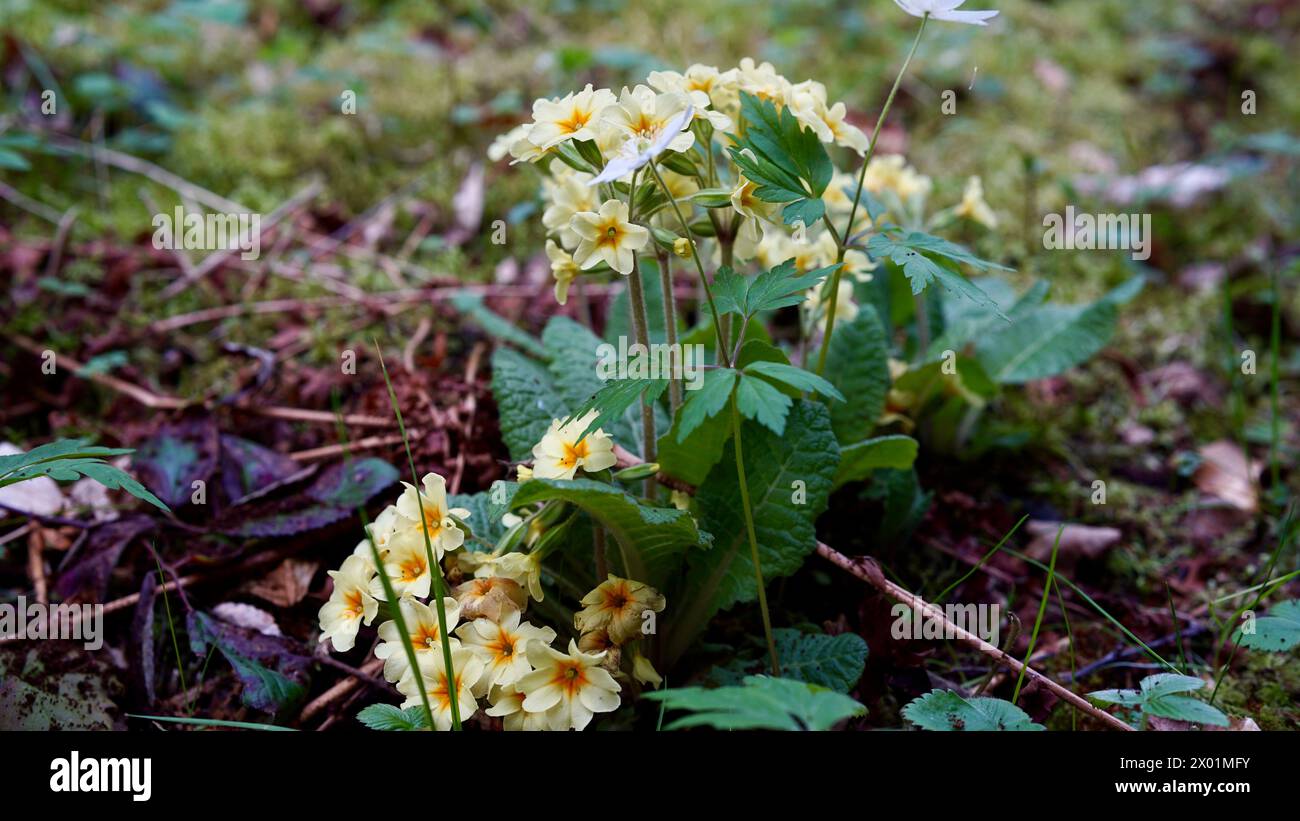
(171, 628)
(389, 593)
(1042, 609)
(1069, 634)
(943, 596)
(1092, 602)
(435, 570)
(216, 722)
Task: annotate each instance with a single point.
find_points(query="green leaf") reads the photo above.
(925, 259)
(1047, 339)
(651, 537)
(272, 673)
(782, 286)
(794, 377)
(388, 717)
(1278, 632)
(527, 401)
(762, 703)
(858, 365)
(834, 662)
(67, 460)
(789, 480)
(575, 353)
(1160, 695)
(857, 461)
(706, 402)
(471, 305)
(690, 459)
(945, 710)
(779, 138)
(759, 400)
(807, 211)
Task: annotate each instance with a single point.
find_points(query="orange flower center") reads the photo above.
(574, 452)
(577, 120)
(413, 568)
(571, 677)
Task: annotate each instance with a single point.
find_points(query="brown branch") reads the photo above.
(139, 394)
(341, 449)
(868, 571)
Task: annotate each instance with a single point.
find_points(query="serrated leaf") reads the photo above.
(945, 711)
(784, 512)
(858, 365)
(760, 401)
(652, 537)
(860, 459)
(794, 377)
(388, 717)
(706, 402)
(526, 400)
(1277, 632)
(272, 670)
(1160, 695)
(761, 703)
(782, 286)
(925, 259)
(66, 460)
(834, 662)
(574, 354)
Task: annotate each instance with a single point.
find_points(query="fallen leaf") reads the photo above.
(1226, 474)
(247, 616)
(1076, 540)
(287, 584)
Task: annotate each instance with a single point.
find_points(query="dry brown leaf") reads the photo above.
(286, 585)
(1226, 474)
(1076, 540)
(1174, 725)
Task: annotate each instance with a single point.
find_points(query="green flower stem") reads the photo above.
(641, 329)
(389, 593)
(753, 537)
(857, 197)
(435, 570)
(670, 325)
(699, 266)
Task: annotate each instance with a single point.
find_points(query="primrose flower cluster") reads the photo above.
(496, 654)
(592, 147)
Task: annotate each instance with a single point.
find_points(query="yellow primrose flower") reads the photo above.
(407, 566)
(607, 236)
(761, 80)
(973, 207)
(568, 118)
(892, 173)
(561, 452)
(523, 149)
(644, 672)
(642, 115)
(573, 684)
(444, 535)
(525, 569)
(563, 268)
(468, 669)
(749, 205)
(616, 605)
(350, 605)
(682, 247)
(500, 147)
(508, 705)
(846, 310)
(697, 84)
(567, 192)
(523, 473)
(503, 647)
(422, 625)
(491, 597)
(381, 531)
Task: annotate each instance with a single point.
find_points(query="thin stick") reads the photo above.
(144, 397)
(868, 571)
(368, 443)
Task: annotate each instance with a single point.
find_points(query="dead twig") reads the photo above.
(338, 691)
(139, 394)
(367, 443)
(868, 571)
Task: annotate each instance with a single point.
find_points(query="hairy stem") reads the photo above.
(857, 197)
(636, 292)
(753, 537)
(670, 326)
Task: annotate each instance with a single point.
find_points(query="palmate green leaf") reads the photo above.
(789, 480)
(794, 377)
(652, 538)
(471, 305)
(67, 460)
(706, 402)
(1278, 631)
(762, 402)
(860, 459)
(762, 703)
(834, 662)
(946, 711)
(1161, 695)
(926, 259)
(787, 163)
(778, 287)
(1047, 339)
(526, 399)
(858, 365)
(388, 717)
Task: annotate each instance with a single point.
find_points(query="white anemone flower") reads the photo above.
(945, 10)
(644, 147)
